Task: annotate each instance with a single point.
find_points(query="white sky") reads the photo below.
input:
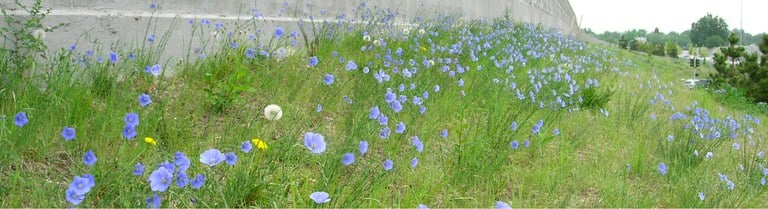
(668, 15)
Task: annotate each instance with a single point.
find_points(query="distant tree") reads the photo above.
(742, 70)
(656, 30)
(713, 41)
(707, 27)
(623, 42)
(589, 31)
(671, 49)
(658, 50)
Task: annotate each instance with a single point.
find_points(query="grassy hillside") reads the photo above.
(490, 110)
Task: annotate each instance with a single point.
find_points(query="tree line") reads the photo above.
(709, 31)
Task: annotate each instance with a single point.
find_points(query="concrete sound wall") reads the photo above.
(105, 23)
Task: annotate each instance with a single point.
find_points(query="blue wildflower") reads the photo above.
(422, 206)
(144, 100)
(314, 142)
(20, 119)
(68, 133)
(514, 144)
(154, 200)
(138, 169)
(383, 120)
(320, 197)
(279, 32)
(211, 157)
(246, 146)
(81, 185)
(502, 205)
(388, 164)
(151, 38)
(444, 133)
(414, 162)
(513, 127)
(181, 161)
(313, 61)
(351, 65)
(363, 147)
(230, 158)
(132, 119)
(250, 53)
(400, 128)
(160, 179)
(663, 168)
(328, 79)
(129, 132)
(112, 57)
(347, 159)
(168, 166)
(182, 180)
(374, 114)
(198, 181)
(384, 133)
(417, 143)
(89, 158)
(72, 196)
(397, 106)
(389, 97)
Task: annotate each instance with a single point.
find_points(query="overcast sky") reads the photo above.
(669, 15)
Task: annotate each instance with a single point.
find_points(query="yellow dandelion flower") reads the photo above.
(423, 48)
(259, 144)
(150, 140)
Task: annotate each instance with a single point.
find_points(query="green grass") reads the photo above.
(604, 156)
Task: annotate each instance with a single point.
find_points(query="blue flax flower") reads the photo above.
(68, 133)
(129, 132)
(374, 113)
(198, 181)
(144, 100)
(112, 57)
(417, 143)
(73, 197)
(181, 160)
(388, 164)
(363, 147)
(154, 201)
(328, 79)
(348, 159)
(138, 169)
(314, 142)
(182, 180)
(414, 162)
(400, 128)
(20, 119)
(132, 119)
(502, 205)
(160, 179)
(246, 146)
(211, 157)
(663, 168)
(444, 133)
(81, 185)
(313, 61)
(89, 158)
(230, 158)
(320, 197)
